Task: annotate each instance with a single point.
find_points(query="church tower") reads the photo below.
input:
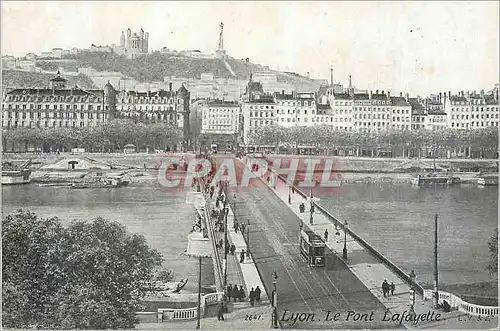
(122, 39)
(129, 35)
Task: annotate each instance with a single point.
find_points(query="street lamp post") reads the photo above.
(412, 293)
(248, 239)
(199, 295)
(337, 233)
(275, 302)
(344, 251)
(225, 243)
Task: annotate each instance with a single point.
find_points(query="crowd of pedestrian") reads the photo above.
(388, 288)
(237, 294)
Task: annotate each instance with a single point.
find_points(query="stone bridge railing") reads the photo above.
(172, 314)
(456, 302)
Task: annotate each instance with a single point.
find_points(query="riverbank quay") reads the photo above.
(341, 164)
(370, 270)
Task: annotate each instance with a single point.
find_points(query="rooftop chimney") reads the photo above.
(449, 94)
(370, 94)
(376, 91)
(401, 94)
(407, 97)
(170, 86)
(388, 94)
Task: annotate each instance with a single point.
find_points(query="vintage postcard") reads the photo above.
(249, 165)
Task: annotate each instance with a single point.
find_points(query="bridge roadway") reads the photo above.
(274, 245)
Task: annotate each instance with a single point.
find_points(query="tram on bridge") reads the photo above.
(312, 247)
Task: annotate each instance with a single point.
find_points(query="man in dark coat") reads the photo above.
(242, 293)
(385, 288)
(220, 313)
(252, 297)
(242, 256)
(236, 292)
(257, 294)
(232, 249)
(229, 292)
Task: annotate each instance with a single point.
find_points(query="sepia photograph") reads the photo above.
(250, 165)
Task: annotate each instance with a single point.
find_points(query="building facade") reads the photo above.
(56, 106)
(295, 109)
(472, 110)
(257, 112)
(155, 107)
(220, 117)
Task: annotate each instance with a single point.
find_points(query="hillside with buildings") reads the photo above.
(23, 79)
(157, 66)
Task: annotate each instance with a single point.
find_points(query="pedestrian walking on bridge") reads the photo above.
(385, 288)
(242, 256)
(252, 297)
(257, 294)
(236, 292)
(326, 235)
(241, 293)
(229, 292)
(232, 249)
(393, 288)
(220, 313)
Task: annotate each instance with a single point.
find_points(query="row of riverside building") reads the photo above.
(61, 106)
(349, 109)
(342, 108)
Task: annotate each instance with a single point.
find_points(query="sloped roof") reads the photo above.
(321, 106)
(263, 100)
(399, 101)
(379, 96)
(341, 96)
(416, 107)
(456, 98)
(46, 92)
(223, 103)
(285, 96)
(361, 96)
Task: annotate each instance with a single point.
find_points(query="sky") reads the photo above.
(417, 47)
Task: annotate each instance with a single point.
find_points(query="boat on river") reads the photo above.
(13, 174)
(97, 180)
(488, 180)
(434, 179)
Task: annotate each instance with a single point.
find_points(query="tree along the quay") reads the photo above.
(112, 135)
(492, 266)
(415, 143)
(86, 275)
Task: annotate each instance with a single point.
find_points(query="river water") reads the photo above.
(397, 219)
(163, 218)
